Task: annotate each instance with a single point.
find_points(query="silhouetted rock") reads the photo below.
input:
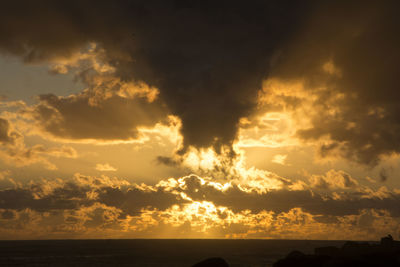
(299, 260)
(351, 254)
(387, 241)
(327, 251)
(295, 254)
(212, 262)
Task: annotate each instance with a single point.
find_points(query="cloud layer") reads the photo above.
(192, 206)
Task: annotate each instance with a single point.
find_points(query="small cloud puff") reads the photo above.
(279, 159)
(105, 167)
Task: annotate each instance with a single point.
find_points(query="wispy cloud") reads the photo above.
(105, 167)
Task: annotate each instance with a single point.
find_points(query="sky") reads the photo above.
(199, 119)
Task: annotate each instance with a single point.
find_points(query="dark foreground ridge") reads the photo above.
(351, 254)
(212, 262)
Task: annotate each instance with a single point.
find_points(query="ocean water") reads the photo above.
(150, 252)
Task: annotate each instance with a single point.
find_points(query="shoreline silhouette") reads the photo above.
(386, 253)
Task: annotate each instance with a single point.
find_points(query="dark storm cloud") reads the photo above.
(208, 58)
(360, 40)
(115, 118)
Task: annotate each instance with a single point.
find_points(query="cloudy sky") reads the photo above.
(199, 119)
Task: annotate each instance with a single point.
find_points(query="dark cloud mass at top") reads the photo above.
(209, 58)
(361, 41)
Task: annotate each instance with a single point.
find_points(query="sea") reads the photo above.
(151, 252)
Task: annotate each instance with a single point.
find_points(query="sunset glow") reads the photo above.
(166, 121)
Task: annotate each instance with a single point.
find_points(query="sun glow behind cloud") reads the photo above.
(199, 139)
(190, 206)
(198, 215)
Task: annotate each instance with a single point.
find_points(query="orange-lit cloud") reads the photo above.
(105, 167)
(14, 151)
(192, 206)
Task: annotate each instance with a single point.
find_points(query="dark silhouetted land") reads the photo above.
(386, 253)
